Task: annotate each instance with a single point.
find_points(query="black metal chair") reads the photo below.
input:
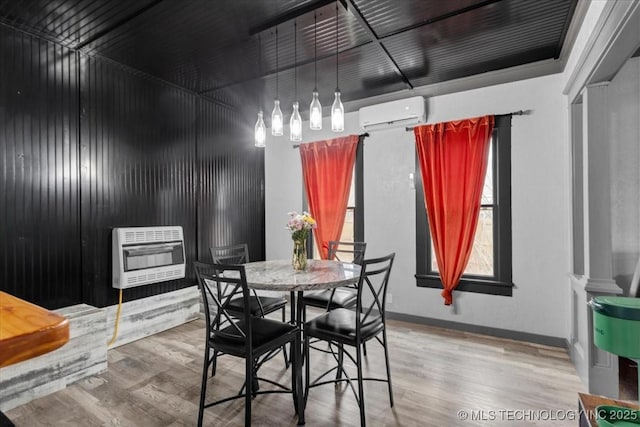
(344, 297)
(344, 327)
(256, 339)
(259, 305)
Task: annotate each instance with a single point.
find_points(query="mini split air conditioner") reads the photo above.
(404, 112)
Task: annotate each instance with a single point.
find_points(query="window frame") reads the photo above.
(501, 283)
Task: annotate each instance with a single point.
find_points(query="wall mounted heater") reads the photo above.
(145, 255)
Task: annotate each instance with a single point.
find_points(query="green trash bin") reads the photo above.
(616, 325)
(616, 329)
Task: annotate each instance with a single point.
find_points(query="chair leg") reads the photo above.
(249, 365)
(340, 359)
(364, 344)
(255, 387)
(302, 400)
(214, 363)
(307, 369)
(386, 359)
(287, 359)
(203, 385)
(363, 421)
(294, 377)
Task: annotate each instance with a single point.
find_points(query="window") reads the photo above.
(489, 267)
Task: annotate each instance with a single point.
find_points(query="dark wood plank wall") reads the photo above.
(87, 145)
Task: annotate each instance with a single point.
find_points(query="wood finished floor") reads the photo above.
(435, 372)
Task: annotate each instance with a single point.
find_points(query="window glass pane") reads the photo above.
(347, 229)
(481, 259)
(487, 190)
(434, 261)
(352, 189)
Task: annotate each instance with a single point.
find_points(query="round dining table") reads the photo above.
(279, 275)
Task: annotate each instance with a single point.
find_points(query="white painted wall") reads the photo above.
(540, 206)
(541, 171)
(624, 137)
(284, 183)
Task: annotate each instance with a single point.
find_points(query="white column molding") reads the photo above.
(596, 191)
(598, 369)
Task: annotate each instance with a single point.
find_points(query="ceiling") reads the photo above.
(226, 49)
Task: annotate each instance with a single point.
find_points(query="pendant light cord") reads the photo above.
(277, 63)
(337, 87)
(259, 71)
(315, 52)
(295, 59)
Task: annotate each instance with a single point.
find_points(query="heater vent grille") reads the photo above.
(145, 255)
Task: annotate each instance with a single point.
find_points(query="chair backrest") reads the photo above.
(372, 289)
(232, 254)
(347, 251)
(219, 284)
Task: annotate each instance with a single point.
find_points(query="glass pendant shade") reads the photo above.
(337, 114)
(277, 120)
(260, 131)
(295, 124)
(315, 112)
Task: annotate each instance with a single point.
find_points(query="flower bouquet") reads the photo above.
(300, 225)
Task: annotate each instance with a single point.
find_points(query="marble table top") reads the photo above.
(279, 275)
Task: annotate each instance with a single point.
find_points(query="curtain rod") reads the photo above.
(362, 135)
(515, 113)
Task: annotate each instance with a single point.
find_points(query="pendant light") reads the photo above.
(277, 120)
(260, 134)
(337, 109)
(260, 131)
(295, 124)
(315, 109)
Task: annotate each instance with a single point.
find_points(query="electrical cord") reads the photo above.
(115, 332)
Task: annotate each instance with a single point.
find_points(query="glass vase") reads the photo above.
(299, 259)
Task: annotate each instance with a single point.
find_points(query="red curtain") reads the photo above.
(453, 163)
(327, 167)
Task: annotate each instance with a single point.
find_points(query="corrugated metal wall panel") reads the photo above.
(194, 43)
(91, 145)
(211, 46)
(69, 22)
(137, 158)
(387, 16)
(381, 79)
(39, 222)
(231, 198)
(493, 37)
